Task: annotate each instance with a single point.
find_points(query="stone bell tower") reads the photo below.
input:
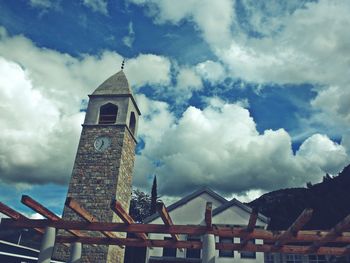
(104, 162)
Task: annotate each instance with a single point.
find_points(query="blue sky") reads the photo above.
(240, 96)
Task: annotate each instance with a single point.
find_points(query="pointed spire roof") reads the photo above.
(117, 84)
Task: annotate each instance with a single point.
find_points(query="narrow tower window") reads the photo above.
(108, 114)
(132, 124)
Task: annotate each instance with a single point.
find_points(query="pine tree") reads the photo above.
(154, 196)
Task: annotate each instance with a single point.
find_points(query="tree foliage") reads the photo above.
(154, 196)
(140, 205)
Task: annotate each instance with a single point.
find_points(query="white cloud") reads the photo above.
(333, 103)
(41, 94)
(148, 69)
(36, 216)
(211, 71)
(33, 131)
(187, 81)
(220, 147)
(248, 196)
(213, 19)
(97, 5)
(155, 122)
(3, 216)
(45, 4)
(299, 42)
(321, 151)
(129, 39)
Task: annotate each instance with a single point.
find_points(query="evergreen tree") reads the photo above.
(154, 196)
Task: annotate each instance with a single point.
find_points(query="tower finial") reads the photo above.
(123, 63)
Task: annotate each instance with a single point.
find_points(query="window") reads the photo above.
(226, 253)
(317, 258)
(108, 114)
(132, 123)
(167, 251)
(292, 258)
(193, 253)
(269, 258)
(248, 254)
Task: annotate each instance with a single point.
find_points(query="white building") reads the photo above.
(190, 211)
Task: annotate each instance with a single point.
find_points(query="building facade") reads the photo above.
(190, 211)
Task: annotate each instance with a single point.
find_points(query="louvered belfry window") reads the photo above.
(108, 114)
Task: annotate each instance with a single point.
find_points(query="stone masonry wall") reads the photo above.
(97, 178)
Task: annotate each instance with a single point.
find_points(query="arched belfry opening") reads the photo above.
(108, 114)
(132, 123)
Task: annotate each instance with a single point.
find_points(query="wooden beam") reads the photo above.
(337, 251)
(164, 214)
(335, 232)
(292, 231)
(250, 227)
(6, 210)
(252, 220)
(42, 210)
(135, 242)
(268, 236)
(125, 217)
(208, 214)
(287, 249)
(77, 208)
(39, 208)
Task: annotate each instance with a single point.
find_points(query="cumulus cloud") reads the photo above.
(155, 122)
(333, 105)
(148, 69)
(179, 86)
(41, 96)
(220, 147)
(97, 5)
(33, 132)
(279, 42)
(321, 151)
(211, 71)
(214, 20)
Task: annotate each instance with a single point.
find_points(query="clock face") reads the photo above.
(102, 143)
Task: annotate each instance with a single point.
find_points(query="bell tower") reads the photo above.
(104, 161)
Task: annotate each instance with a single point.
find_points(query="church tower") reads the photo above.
(104, 162)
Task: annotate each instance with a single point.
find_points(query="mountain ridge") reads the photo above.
(328, 199)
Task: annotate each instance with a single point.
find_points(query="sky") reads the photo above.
(241, 96)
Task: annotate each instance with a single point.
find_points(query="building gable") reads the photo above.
(236, 213)
(185, 210)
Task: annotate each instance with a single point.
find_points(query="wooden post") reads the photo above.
(208, 214)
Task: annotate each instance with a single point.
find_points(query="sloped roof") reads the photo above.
(187, 199)
(116, 84)
(235, 202)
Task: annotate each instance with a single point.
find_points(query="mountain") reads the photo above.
(329, 199)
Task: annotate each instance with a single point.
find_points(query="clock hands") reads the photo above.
(102, 143)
